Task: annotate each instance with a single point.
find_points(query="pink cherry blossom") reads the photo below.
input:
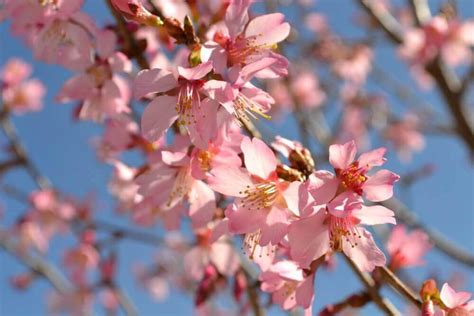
(220, 253)
(240, 42)
(289, 285)
(457, 303)
(169, 183)
(335, 223)
(186, 106)
(405, 136)
(238, 96)
(20, 94)
(261, 206)
(353, 176)
(407, 249)
(102, 92)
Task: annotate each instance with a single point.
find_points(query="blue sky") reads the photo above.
(61, 149)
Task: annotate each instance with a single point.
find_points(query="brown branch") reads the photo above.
(125, 302)
(421, 11)
(398, 285)
(446, 79)
(20, 151)
(369, 283)
(130, 44)
(36, 263)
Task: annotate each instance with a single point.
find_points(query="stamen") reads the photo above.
(260, 196)
(352, 177)
(342, 230)
(181, 186)
(245, 107)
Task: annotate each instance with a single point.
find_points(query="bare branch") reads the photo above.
(369, 283)
(398, 285)
(36, 264)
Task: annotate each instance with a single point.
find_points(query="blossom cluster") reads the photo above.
(202, 165)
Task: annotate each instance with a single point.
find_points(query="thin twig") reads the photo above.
(398, 285)
(20, 151)
(36, 264)
(369, 283)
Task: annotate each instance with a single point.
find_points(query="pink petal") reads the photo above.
(78, 87)
(366, 255)
(341, 156)
(202, 204)
(224, 257)
(178, 158)
(323, 186)
(230, 181)
(305, 292)
(275, 228)
(375, 215)
(344, 204)
(153, 81)
(379, 187)
(288, 269)
(268, 29)
(197, 72)
(372, 158)
(212, 51)
(397, 239)
(119, 62)
(451, 298)
(158, 117)
(194, 263)
(206, 123)
(259, 158)
(237, 17)
(291, 195)
(242, 220)
(106, 40)
(309, 239)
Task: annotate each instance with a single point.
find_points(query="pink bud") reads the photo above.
(22, 281)
(240, 284)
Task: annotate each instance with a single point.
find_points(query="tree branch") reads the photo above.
(36, 264)
(369, 283)
(398, 285)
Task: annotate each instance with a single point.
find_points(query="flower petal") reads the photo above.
(158, 117)
(153, 81)
(365, 254)
(230, 181)
(259, 158)
(375, 215)
(268, 29)
(341, 156)
(379, 187)
(309, 238)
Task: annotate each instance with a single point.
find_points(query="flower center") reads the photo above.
(100, 73)
(352, 177)
(205, 159)
(260, 196)
(340, 230)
